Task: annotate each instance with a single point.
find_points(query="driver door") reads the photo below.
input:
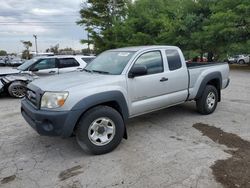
(144, 90)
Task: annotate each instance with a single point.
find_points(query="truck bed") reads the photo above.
(202, 64)
(197, 72)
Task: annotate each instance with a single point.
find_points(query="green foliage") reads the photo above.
(228, 27)
(54, 49)
(26, 44)
(99, 18)
(215, 27)
(3, 53)
(26, 53)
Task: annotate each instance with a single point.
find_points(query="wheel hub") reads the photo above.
(211, 100)
(101, 131)
(19, 91)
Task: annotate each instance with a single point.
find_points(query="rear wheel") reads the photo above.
(207, 103)
(241, 62)
(100, 130)
(17, 89)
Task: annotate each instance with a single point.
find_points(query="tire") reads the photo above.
(207, 103)
(17, 89)
(241, 62)
(100, 130)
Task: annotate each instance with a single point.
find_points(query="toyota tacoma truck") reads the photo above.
(119, 84)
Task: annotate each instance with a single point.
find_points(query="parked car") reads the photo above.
(242, 59)
(2, 62)
(239, 59)
(15, 80)
(119, 84)
(16, 62)
(231, 60)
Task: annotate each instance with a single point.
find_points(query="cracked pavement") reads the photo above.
(162, 150)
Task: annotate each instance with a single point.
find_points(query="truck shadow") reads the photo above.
(68, 147)
(5, 95)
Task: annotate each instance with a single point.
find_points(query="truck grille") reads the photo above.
(32, 97)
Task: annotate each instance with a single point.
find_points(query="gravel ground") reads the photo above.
(163, 148)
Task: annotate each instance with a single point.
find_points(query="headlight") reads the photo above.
(53, 99)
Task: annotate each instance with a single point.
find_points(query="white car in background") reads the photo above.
(242, 59)
(51, 65)
(239, 59)
(15, 81)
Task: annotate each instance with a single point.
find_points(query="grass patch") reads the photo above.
(240, 67)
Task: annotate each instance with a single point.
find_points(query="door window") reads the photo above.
(152, 60)
(68, 62)
(46, 64)
(174, 60)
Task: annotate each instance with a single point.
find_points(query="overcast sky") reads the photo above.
(53, 21)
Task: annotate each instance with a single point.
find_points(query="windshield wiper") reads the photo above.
(101, 72)
(86, 70)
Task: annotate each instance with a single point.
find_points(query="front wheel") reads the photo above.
(207, 103)
(100, 130)
(17, 89)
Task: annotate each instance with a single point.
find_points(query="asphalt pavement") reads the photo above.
(163, 148)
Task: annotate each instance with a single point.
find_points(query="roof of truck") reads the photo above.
(137, 48)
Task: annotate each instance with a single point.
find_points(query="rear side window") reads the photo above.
(68, 62)
(88, 60)
(174, 60)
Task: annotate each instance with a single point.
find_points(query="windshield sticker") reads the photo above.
(124, 54)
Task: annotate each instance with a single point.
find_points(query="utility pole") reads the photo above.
(88, 43)
(35, 36)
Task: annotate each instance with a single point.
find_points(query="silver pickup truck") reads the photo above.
(117, 85)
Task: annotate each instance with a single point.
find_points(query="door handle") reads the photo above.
(163, 79)
(52, 72)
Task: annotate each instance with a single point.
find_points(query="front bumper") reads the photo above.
(49, 123)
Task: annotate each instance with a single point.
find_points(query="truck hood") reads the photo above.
(10, 71)
(68, 80)
(19, 76)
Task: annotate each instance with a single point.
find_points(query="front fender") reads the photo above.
(104, 97)
(16, 77)
(93, 100)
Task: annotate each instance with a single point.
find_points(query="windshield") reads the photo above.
(110, 62)
(27, 64)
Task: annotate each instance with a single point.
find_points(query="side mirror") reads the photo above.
(34, 69)
(137, 71)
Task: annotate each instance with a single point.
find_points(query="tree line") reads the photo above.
(217, 28)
